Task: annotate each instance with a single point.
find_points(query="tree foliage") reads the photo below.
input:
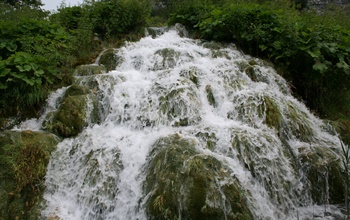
(23, 3)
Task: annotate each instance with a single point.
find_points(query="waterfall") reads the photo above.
(188, 127)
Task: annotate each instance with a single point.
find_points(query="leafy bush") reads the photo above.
(106, 20)
(115, 17)
(10, 13)
(68, 17)
(31, 51)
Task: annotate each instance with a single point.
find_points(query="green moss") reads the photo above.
(250, 107)
(23, 159)
(88, 70)
(181, 183)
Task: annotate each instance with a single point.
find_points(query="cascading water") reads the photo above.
(202, 109)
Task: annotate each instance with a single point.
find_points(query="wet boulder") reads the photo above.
(182, 183)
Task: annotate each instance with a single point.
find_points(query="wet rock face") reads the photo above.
(23, 160)
(182, 183)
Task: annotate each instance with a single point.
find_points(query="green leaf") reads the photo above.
(320, 67)
(12, 47)
(3, 86)
(343, 65)
(29, 81)
(315, 53)
(25, 68)
(262, 47)
(39, 72)
(4, 72)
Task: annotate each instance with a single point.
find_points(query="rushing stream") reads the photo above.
(203, 109)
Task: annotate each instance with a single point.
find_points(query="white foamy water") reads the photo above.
(162, 88)
(52, 103)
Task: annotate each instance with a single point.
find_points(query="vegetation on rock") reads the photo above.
(181, 183)
(71, 116)
(23, 159)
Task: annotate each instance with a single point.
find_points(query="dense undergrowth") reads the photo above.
(310, 48)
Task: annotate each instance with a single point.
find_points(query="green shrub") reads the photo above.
(31, 51)
(114, 18)
(68, 17)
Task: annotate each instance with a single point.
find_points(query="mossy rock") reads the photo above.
(271, 170)
(180, 103)
(273, 114)
(220, 54)
(191, 73)
(156, 31)
(88, 70)
(242, 65)
(210, 96)
(78, 108)
(8, 123)
(181, 183)
(110, 60)
(213, 45)
(23, 158)
(249, 109)
(207, 137)
(70, 118)
(75, 89)
(342, 127)
(299, 123)
(250, 71)
(168, 58)
(324, 171)
(92, 82)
